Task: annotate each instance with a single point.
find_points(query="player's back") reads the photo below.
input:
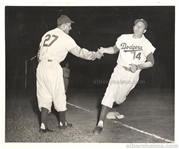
(53, 46)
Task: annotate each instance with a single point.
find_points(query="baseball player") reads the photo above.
(135, 54)
(66, 75)
(53, 48)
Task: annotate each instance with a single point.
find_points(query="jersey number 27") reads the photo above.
(49, 40)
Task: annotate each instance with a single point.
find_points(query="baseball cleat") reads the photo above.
(97, 130)
(45, 130)
(60, 126)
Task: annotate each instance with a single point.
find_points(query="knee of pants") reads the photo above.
(60, 108)
(107, 103)
(120, 100)
(46, 106)
(44, 102)
(60, 105)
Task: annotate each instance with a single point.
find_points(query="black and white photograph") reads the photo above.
(90, 74)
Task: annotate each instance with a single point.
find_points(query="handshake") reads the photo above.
(99, 53)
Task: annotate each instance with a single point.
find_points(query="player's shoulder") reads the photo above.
(146, 40)
(48, 32)
(51, 30)
(69, 39)
(125, 36)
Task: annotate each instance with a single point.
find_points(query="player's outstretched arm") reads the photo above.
(109, 50)
(85, 54)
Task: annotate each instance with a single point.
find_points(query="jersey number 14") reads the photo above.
(138, 56)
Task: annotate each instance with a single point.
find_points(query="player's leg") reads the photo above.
(59, 97)
(129, 82)
(44, 99)
(44, 116)
(107, 104)
(62, 117)
(109, 98)
(62, 121)
(103, 113)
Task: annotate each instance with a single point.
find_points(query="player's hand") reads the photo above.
(133, 68)
(98, 54)
(102, 50)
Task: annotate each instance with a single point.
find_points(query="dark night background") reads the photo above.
(94, 27)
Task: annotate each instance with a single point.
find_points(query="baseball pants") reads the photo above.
(119, 86)
(50, 86)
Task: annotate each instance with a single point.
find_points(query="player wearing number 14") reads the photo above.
(135, 54)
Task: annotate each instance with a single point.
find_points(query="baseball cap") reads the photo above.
(64, 19)
(141, 20)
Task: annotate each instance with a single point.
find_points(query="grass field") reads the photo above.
(149, 118)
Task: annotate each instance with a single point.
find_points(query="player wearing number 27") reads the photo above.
(135, 54)
(54, 46)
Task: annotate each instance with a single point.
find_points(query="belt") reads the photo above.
(48, 60)
(126, 68)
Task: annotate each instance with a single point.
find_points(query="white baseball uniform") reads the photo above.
(54, 46)
(132, 51)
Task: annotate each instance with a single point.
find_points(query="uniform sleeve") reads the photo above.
(70, 43)
(118, 42)
(149, 48)
(83, 53)
(73, 48)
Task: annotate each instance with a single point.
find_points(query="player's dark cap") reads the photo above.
(143, 21)
(64, 19)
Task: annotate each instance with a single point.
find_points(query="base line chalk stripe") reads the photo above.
(127, 126)
(144, 132)
(79, 107)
